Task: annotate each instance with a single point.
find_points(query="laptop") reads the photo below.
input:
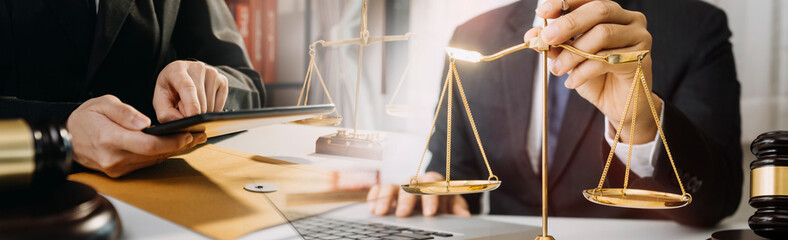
(355, 222)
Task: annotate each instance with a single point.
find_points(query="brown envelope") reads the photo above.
(203, 190)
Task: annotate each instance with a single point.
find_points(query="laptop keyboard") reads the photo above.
(329, 228)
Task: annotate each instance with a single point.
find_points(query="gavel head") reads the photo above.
(33, 154)
(769, 185)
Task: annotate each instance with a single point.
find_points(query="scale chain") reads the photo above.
(452, 76)
(473, 123)
(634, 91)
(307, 80)
(632, 124)
(434, 120)
(659, 128)
(448, 128)
(358, 86)
(305, 89)
(323, 83)
(618, 132)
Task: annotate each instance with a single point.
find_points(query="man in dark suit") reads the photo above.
(106, 67)
(695, 91)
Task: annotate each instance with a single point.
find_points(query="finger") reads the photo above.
(585, 71)
(122, 114)
(405, 203)
(183, 84)
(197, 139)
(602, 36)
(429, 205)
(385, 198)
(552, 9)
(165, 100)
(150, 145)
(589, 69)
(531, 33)
(197, 73)
(534, 32)
(137, 161)
(221, 94)
(460, 207)
(372, 196)
(211, 79)
(165, 109)
(168, 115)
(584, 18)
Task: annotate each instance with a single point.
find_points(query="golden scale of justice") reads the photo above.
(618, 197)
(352, 144)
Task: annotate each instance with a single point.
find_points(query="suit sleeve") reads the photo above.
(12, 107)
(703, 129)
(205, 31)
(465, 162)
(18, 108)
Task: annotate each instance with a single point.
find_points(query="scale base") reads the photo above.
(540, 237)
(342, 143)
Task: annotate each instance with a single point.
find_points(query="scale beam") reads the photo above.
(538, 45)
(359, 41)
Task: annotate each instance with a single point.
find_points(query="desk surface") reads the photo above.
(295, 143)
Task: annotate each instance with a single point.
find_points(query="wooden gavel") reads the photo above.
(769, 185)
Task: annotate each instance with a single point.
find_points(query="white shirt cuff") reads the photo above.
(643, 155)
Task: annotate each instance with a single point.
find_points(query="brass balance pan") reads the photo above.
(636, 198)
(320, 121)
(398, 110)
(453, 187)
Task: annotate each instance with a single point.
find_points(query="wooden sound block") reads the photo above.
(67, 210)
(367, 146)
(737, 234)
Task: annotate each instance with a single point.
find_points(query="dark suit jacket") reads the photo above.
(694, 74)
(51, 60)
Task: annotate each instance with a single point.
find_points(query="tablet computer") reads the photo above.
(220, 123)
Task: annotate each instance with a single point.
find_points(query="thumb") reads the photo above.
(531, 33)
(168, 115)
(123, 114)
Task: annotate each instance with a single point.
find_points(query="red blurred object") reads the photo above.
(257, 23)
(355, 179)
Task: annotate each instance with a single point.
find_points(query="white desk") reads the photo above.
(295, 143)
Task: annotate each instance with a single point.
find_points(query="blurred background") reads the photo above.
(277, 34)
